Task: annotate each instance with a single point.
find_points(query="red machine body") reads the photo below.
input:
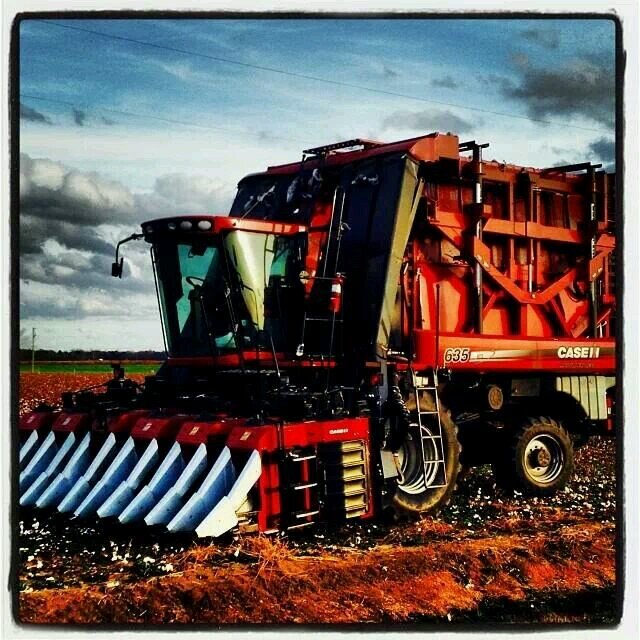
(501, 260)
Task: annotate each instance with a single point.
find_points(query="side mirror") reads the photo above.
(116, 268)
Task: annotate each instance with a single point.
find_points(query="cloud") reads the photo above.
(39, 301)
(30, 114)
(389, 72)
(86, 275)
(35, 231)
(79, 117)
(70, 221)
(547, 37)
(520, 60)
(605, 150)
(52, 192)
(107, 121)
(178, 193)
(445, 82)
(58, 195)
(580, 88)
(428, 121)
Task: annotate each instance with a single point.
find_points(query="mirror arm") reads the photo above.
(116, 267)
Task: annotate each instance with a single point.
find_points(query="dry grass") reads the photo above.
(274, 584)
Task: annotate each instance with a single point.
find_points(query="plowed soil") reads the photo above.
(488, 557)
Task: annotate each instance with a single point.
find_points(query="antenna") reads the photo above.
(33, 349)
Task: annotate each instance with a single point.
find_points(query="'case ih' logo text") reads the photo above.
(578, 352)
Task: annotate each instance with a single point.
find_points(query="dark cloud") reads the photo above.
(69, 223)
(78, 303)
(445, 82)
(66, 200)
(605, 150)
(35, 231)
(545, 36)
(107, 121)
(428, 121)
(27, 113)
(580, 88)
(54, 193)
(389, 72)
(86, 272)
(35, 308)
(564, 156)
(521, 60)
(79, 117)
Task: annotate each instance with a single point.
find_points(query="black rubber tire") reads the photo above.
(432, 500)
(510, 467)
(397, 420)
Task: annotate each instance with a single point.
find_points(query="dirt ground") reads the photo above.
(487, 558)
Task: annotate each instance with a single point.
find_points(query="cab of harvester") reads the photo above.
(229, 289)
(363, 322)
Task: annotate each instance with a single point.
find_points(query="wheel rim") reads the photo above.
(544, 459)
(409, 458)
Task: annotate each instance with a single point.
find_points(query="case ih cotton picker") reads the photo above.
(364, 322)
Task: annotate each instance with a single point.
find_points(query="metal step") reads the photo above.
(295, 458)
(299, 487)
(305, 514)
(348, 494)
(302, 524)
(344, 465)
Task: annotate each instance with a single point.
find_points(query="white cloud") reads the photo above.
(70, 221)
(181, 194)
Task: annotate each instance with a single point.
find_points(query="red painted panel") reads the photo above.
(36, 420)
(497, 353)
(266, 439)
(150, 428)
(198, 432)
(123, 422)
(70, 422)
(297, 434)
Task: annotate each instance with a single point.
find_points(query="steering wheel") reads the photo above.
(196, 283)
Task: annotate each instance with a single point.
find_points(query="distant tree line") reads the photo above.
(49, 355)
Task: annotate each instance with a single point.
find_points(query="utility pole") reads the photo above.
(33, 348)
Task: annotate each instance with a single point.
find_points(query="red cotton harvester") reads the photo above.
(364, 322)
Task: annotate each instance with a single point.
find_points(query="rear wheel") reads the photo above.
(422, 488)
(539, 460)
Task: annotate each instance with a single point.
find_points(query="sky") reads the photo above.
(123, 121)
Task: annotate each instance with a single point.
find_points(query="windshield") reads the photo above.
(243, 290)
(192, 295)
(262, 196)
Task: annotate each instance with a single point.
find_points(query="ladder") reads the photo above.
(300, 490)
(434, 467)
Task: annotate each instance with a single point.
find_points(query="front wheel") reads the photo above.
(422, 487)
(539, 460)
